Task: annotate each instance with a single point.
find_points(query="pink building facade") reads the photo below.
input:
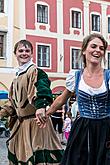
(56, 29)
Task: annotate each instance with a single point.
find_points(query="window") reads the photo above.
(2, 44)
(108, 24)
(76, 63)
(42, 13)
(95, 22)
(108, 60)
(76, 19)
(43, 56)
(1, 6)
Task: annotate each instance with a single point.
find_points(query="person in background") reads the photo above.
(29, 97)
(74, 110)
(89, 140)
(67, 124)
(57, 120)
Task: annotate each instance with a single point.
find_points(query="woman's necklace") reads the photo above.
(94, 74)
(93, 79)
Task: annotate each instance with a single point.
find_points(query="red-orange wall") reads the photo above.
(108, 10)
(66, 8)
(30, 14)
(95, 7)
(45, 40)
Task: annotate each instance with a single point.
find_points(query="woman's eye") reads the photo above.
(101, 48)
(93, 46)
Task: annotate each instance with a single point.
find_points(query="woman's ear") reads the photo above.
(84, 52)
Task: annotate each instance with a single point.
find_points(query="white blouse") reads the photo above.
(70, 85)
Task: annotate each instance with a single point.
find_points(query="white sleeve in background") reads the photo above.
(70, 81)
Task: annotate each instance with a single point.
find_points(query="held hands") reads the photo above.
(41, 117)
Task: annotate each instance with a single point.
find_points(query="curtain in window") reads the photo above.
(95, 23)
(42, 14)
(76, 62)
(43, 56)
(76, 19)
(1, 45)
(108, 24)
(1, 6)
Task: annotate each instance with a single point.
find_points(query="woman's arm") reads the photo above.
(59, 101)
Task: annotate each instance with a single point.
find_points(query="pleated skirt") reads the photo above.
(88, 143)
(32, 145)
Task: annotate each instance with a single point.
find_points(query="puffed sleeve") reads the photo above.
(44, 93)
(70, 81)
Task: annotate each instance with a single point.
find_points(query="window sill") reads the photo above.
(3, 14)
(2, 58)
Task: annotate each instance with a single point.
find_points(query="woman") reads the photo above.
(89, 140)
(30, 94)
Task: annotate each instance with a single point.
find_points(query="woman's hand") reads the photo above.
(41, 117)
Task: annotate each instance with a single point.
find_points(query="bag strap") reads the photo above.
(107, 77)
(77, 79)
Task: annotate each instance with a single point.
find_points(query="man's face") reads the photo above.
(23, 54)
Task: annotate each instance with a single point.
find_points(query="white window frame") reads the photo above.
(43, 44)
(4, 44)
(79, 58)
(5, 13)
(95, 14)
(37, 24)
(72, 28)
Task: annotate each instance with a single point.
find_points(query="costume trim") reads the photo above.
(39, 156)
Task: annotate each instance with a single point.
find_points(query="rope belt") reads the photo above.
(20, 118)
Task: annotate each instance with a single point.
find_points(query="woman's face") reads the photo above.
(23, 54)
(94, 51)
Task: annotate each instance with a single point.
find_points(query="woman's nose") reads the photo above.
(98, 48)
